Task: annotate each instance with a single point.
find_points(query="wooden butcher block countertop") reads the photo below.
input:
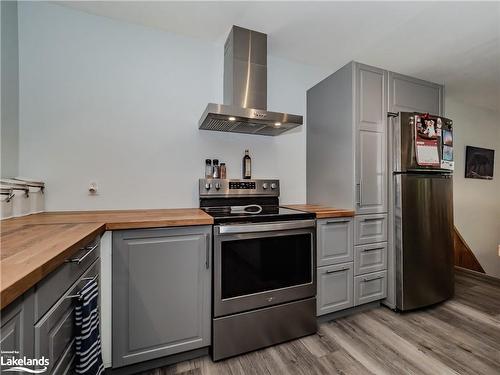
(35, 245)
(322, 212)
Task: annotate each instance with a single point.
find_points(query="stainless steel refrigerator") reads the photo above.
(423, 209)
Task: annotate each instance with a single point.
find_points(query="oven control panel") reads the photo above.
(242, 185)
(215, 187)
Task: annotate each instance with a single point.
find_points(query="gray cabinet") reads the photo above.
(335, 288)
(334, 241)
(54, 332)
(370, 229)
(370, 258)
(17, 327)
(408, 94)
(371, 140)
(50, 289)
(347, 140)
(370, 287)
(161, 292)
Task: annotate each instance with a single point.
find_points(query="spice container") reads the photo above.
(223, 171)
(208, 168)
(216, 169)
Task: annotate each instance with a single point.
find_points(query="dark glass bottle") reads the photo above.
(247, 166)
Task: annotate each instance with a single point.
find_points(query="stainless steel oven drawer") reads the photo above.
(241, 333)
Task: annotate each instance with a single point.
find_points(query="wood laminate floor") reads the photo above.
(460, 336)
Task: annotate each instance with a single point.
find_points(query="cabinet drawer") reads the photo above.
(54, 333)
(335, 288)
(370, 229)
(370, 287)
(334, 237)
(370, 258)
(52, 287)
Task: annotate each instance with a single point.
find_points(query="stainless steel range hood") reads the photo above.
(245, 90)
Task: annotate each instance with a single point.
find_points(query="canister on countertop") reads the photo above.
(208, 168)
(6, 203)
(36, 193)
(20, 200)
(223, 170)
(216, 171)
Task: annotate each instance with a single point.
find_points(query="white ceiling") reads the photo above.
(455, 43)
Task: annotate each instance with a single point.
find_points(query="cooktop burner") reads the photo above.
(268, 213)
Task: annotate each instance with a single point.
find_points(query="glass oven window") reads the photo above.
(265, 263)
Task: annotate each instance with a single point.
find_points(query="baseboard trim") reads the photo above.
(478, 275)
(159, 362)
(346, 312)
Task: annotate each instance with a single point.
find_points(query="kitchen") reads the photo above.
(109, 110)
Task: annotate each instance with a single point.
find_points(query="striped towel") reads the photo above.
(88, 339)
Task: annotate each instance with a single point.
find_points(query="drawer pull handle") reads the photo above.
(337, 221)
(372, 278)
(80, 260)
(373, 218)
(78, 295)
(335, 271)
(373, 248)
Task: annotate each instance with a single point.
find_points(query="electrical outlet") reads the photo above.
(93, 188)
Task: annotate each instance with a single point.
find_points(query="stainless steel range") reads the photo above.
(264, 282)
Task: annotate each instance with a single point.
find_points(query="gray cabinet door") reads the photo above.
(371, 139)
(369, 288)
(370, 229)
(335, 288)
(55, 331)
(370, 258)
(161, 292)
(17, 328)
(408, 94)
(334, 238)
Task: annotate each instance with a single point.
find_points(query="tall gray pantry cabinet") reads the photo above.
(161, 292)
(349, 165)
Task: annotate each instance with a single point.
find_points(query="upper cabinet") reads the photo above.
(408, 94)
(347, 133)
(371, 139)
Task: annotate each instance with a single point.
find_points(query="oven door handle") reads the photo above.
(267, 227)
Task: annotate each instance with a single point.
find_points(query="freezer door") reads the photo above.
(404, 158)
(423, 239)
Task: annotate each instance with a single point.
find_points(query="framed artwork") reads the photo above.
(479, 163)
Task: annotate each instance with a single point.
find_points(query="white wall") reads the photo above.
(9, 90)
(477, 202)
(119, 104)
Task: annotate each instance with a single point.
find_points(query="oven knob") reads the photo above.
(217, 185)
(273, 186)
(208, 186)
(264, 186)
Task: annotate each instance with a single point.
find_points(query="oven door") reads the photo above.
(264, 264)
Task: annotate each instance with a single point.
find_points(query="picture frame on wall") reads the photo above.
(479, 163)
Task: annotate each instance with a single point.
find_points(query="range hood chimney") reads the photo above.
(245, 90)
